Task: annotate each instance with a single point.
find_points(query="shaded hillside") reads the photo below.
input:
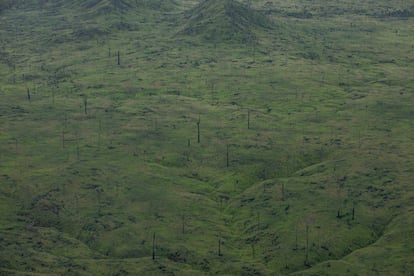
(86, 20)
(4, 4)
(100, 7)
(95, 7)
(229, 20)
(107, 5)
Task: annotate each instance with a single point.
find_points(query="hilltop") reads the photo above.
(226, 20)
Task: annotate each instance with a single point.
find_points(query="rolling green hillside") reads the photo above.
(206, 137)
(223, 21)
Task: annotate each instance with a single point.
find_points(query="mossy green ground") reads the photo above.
(305, 160)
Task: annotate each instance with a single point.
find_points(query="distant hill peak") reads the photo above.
(102, 7)
(223, 20)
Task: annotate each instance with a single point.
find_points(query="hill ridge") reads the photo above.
(228, 20)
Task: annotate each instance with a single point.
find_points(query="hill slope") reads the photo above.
(127, 150)
(227, 20)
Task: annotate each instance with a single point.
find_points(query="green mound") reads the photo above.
(229, 20)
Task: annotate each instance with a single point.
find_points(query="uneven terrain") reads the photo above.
(217, 137)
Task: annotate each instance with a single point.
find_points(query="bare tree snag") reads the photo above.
(227, 156)
(219, 246)
(248, 118)
(85, 103)
(198, 130)
(153, 246)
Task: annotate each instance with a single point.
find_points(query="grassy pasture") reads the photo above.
(304, 163)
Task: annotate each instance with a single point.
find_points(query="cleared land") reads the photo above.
(224, 137)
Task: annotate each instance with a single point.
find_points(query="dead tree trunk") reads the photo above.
(153, 246)
(219, 246)
(198, 130)
(248, 119)
(307, 245)
(227, 156)
(183, 224)
(85, 104)
(28, 94)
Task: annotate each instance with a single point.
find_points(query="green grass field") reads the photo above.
(206, 137)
